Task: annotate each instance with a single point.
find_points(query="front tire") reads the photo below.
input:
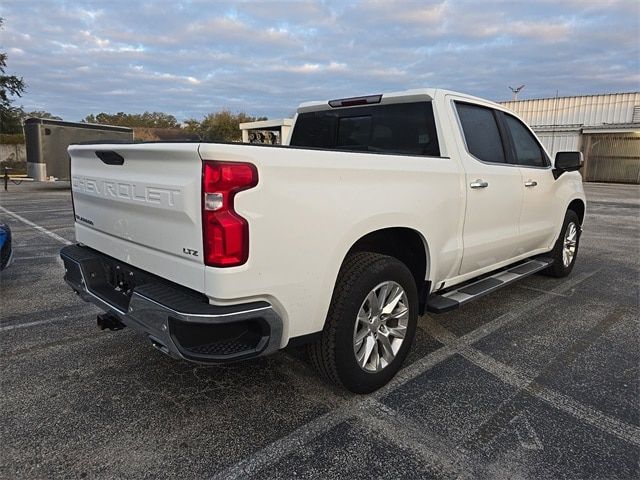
(565, 251)
(370, 325)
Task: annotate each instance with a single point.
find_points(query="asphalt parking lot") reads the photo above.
(538, 380)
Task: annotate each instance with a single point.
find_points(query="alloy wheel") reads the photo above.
(381, 326)
(570, 243)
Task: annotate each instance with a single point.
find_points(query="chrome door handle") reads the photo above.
(479, 184)
(530, 183)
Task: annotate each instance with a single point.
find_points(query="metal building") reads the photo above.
(47, 142)
(605, 128)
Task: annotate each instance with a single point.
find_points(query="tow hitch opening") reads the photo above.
(109, 321)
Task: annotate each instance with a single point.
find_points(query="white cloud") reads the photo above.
(266, 57)
(89, 37)
(310, 68)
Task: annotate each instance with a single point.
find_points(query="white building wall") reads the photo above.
(560, 141)
(590, 110)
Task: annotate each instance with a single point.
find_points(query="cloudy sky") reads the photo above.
(194, 57)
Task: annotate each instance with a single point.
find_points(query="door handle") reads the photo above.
(479, 184)
(530, 183)
(110, 157)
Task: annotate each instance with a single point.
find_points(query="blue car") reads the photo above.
(5, 246)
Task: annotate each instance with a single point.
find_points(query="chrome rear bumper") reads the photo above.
(176, 320)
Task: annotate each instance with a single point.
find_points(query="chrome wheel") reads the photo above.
(570, 244)
(381, 326)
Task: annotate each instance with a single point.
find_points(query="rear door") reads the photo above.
(141, 203)
(494, 189)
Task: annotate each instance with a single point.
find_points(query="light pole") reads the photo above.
(516, 91)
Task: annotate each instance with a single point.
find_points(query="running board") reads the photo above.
(445, 302)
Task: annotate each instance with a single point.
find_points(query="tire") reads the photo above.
(353, 313)
(560, 267)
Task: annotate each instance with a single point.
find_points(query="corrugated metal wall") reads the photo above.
(559, 124)
(559, 141)
(612, 157)
(588, 110)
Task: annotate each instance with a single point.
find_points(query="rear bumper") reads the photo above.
(178, 321)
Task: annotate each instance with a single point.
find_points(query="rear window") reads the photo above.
(402, 128)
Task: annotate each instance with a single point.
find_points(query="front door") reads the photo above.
(539, 216)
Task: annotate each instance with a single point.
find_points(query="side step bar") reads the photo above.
(445, 302)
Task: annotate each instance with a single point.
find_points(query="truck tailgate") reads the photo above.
(140, 203)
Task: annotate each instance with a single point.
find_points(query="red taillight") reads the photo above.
(225, 234)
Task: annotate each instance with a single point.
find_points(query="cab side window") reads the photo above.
(481, 133)
(527, 150)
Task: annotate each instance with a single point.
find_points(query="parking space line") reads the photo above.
(526, 287)
(506, 318)
(35, 257)
(78, 313)
(432, 449)
(511, 376)
(282, 447)
(37, 227)
(29, 324)
(590, 415)
(44, 346)
(45, 210)
(277, 450)
(40, 245)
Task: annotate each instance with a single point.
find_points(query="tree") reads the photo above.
(10, 86)
(11, 119)
(41, 114)
(223, 126)
(12, 122)
(192, 125)
(146, 119)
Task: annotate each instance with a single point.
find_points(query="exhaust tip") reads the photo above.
(157, 344)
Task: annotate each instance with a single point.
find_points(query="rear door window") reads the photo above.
(401, 128)
(481, 132)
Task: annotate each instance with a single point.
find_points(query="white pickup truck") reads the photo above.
(380, 209)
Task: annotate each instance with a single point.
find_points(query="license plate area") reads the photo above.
(112, 281)
(120, 278)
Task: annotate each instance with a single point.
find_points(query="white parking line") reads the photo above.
(274, 452)
(521, 381)
(36, 257)
(37, 227)
(542, 291)
(28, 324)
(564, 403)
(46, 210)
(80, 314)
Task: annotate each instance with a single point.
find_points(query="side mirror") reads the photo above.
(567, 162)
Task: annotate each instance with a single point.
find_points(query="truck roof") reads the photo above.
(413, 95)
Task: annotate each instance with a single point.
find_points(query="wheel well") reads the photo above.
(404, 244)
(578, 207)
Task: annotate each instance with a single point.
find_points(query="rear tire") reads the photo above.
(370, 325)
(565, 251)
